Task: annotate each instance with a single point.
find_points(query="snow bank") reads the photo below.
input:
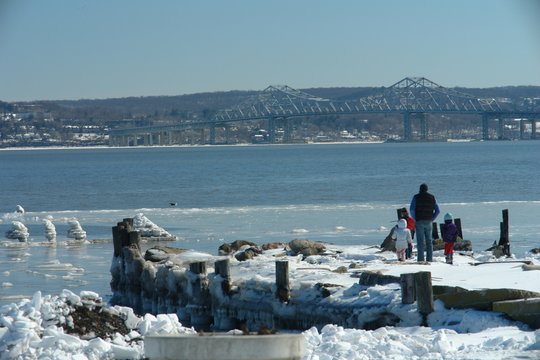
(35, 328)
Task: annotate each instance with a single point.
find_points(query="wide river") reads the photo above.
(339, 193)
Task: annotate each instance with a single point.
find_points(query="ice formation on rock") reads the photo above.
(76, 231)
(50, 230)
(18, 232)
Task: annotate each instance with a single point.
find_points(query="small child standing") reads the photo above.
(449, 235)
(410, 226)
(403, 239)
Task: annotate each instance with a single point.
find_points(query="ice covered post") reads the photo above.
(222, 268)
(199, 302)
(424, 292)
(408, 293)
(283, 291)
(121, 236)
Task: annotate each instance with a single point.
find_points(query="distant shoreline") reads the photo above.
(27, 148)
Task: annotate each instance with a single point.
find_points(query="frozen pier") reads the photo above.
(360, 287)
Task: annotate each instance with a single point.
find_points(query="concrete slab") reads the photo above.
(524, 310)
(224, 347)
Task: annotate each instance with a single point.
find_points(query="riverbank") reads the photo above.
(184, 145)
(49, 325)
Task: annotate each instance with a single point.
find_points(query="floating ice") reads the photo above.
(20, 209)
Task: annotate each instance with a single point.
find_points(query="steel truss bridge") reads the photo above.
(413, 98)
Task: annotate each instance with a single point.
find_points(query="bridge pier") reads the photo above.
(533, 128)
(500, 132)
(227, 134)
(407, 128)
(423, 126)
(485, 126)
(288, 130)
(212, 134)
(271, 130)
(203, 136)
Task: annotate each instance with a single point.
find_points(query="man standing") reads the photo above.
(424, 210)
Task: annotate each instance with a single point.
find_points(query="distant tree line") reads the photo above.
(59, 118)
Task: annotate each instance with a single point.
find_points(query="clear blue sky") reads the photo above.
(74, 49)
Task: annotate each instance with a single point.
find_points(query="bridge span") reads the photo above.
(411, 98)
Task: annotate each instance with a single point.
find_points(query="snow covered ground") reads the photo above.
(40, 327)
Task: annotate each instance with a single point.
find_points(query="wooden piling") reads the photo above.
(135, 239)
(424, 292)
(408, 293)
(222, 268)
(282, 281)
(117, 241)
(434, 231)
(458, 226)
(128, 222)
(504, 240)
(198, 267)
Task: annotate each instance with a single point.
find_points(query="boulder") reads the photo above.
(371, 278)
(248, 253)
(276, 245)
(159, 253)
(306, 247)
(389, 244)
(233, 247)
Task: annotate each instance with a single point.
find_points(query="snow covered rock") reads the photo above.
(148, 229)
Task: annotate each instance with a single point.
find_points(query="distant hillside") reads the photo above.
(221, 100)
